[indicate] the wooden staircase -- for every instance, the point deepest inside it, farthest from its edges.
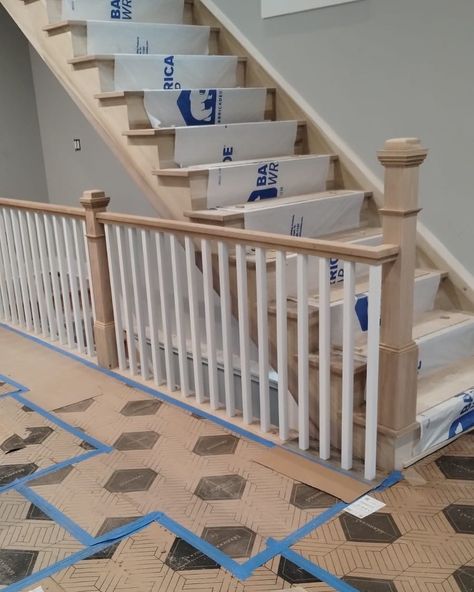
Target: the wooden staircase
(111, 91)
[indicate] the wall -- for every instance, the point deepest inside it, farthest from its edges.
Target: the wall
(377, 69)
(22, 173)
(69, 173)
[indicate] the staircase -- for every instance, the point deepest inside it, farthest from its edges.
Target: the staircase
(240, 152)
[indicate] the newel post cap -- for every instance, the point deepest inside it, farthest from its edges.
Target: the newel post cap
(402, 153)
(94, 199)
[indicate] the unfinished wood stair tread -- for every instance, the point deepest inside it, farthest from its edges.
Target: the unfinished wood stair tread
(91, 60)
(63, 26)
(444, 384)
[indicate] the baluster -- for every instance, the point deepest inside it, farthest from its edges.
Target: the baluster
(39, 219)
(211, 344)
(324, 361)
(262, 328)
(194, 319)
(112, 258)
(33, 236)
(63, 277)
(21, 269)
(303, 352)
(83, 292)
(178, 290)
(224, 286)
(348, 367)
(53, 266)
(124, 266)
(137, 303)
(282, 344)
(166, 309)
(27, 251)
(244, 338)
(72, 273)
(14, 267)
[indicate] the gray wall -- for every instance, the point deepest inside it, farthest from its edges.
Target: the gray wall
(376, 69)
(69, 173)
(22, 173)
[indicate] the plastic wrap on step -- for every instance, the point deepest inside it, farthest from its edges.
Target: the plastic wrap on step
(159, 11)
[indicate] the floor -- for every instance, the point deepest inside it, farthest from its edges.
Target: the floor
(104, 487)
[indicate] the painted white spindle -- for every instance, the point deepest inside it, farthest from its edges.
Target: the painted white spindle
(33, 237)
(150, 270)
(372, 390)
(178, 291)
(64, 280)
(226, 320)
(303, 351)
(138, 304)
(194, 318)
(124, 266)
(82, 271)
(85, 247)
(209, 313)
(348, 332)
(324, 359)
(8, 282)
(262, 330)
(29, 270)
(54, 270)
(43, 254)
(244, 337)
(26, 304)
(282, 344)
(164, 280)
(14, 266)
(112, 256)
(72, 272)
(3, 309)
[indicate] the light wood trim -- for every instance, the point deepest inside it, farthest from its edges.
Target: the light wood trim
(363, 254)
(91, 60)
(44, 208)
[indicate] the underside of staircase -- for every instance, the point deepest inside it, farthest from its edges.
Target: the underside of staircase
(211, 137)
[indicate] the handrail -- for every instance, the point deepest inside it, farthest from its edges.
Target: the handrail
(314, 247)
(43, 208)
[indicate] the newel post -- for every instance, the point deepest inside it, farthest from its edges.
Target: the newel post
(398, 351)
(95, 202)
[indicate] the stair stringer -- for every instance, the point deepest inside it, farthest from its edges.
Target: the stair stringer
(350, 171)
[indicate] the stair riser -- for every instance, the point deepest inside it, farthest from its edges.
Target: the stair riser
(140, 38)
(157, 11)
(445, 348)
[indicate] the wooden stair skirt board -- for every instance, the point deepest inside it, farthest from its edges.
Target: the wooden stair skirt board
(114, 37)
(151, 11)
(182, 107)
(227, 184)
(219, 142)
(167, 72)
(311, 216)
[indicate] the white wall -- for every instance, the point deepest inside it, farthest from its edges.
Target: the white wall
(69, 173)
(377, 69)
(22, 173)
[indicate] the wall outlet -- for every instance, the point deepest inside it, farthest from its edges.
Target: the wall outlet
(77, 145)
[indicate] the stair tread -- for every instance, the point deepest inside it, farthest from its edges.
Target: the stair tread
(199, 168)
(444, 384)
(118, 94)
(78, 23)
(110, 57)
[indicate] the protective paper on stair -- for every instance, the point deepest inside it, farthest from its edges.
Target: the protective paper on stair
(230, 185)
(446, 420)
(238, 141)
(146, 38)
(309, 218)
(205, 106)
(168, 72)
(151, 11)
(444, 348)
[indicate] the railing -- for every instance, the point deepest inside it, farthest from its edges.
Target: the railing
(187, 306)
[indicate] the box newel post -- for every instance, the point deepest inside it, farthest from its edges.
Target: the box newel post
(398, 351)
(95, 202)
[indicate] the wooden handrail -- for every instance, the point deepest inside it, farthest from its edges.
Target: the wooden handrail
(43, 208)
(308, 246)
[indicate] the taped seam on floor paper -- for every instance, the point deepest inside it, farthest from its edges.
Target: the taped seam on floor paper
(146, 38)
(168, 108)
(163, 11)
(19, 387)
(236, 141)
(254, 181)
(168, 72)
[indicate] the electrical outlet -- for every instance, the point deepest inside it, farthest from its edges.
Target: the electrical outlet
(77, 145)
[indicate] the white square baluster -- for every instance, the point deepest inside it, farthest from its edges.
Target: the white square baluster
(26, 304)
(282, 344)
(43, 253)
(324, 358)
(167, 311)
(29, 271)
(33, 236)
(72, 273)
(53, 266)
(8, 280)
(244, 338)
(226, 318)
(84, 294)
(14, 266)
(112, 256)
(303, 352)
(262, 328)
(137, 303)
(348, 367)
(211, 344)
(63, 277)
(124, 266)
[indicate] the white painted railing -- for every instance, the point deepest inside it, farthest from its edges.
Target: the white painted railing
(190, 310)
(45, 285)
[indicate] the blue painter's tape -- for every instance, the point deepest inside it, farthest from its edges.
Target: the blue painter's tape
(318, 572)
(128, 529)
(72, 528)
(47, 572)
(20, 388)
(390, 481)
(154, 393)
(52, 469)
(62, 424)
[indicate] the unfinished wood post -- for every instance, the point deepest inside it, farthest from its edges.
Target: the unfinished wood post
(398, 351)
(104, 326)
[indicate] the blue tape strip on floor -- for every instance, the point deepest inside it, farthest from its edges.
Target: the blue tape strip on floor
(72, 528)
(152, 392)
(20, 388)
(62, 424)
(318, 572)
